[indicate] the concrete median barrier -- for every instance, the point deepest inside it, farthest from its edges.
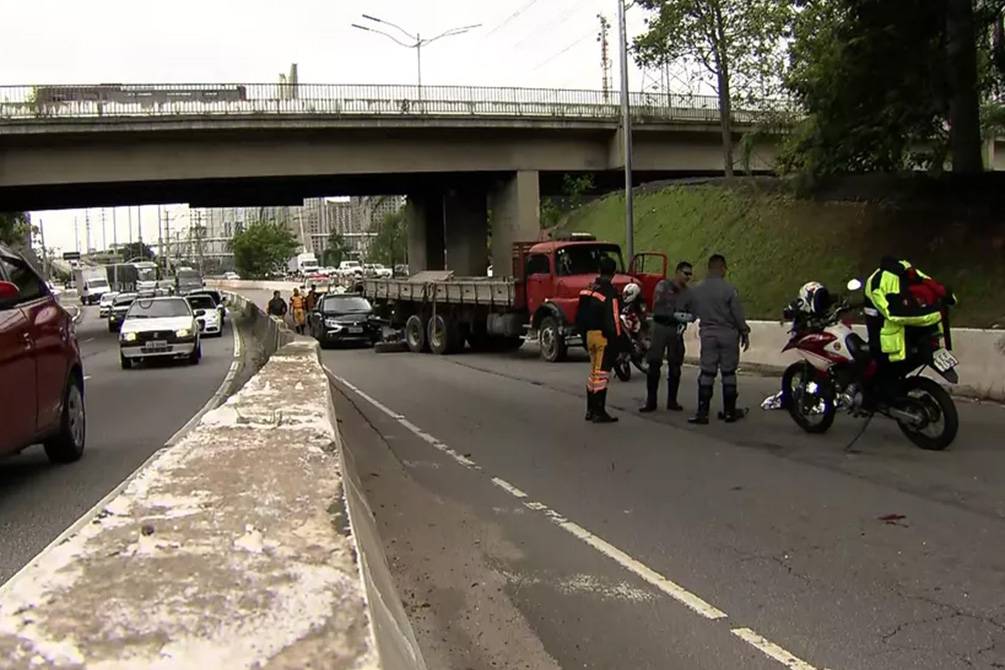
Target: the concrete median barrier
(233, 548)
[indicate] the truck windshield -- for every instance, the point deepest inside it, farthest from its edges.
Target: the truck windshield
(585, 259)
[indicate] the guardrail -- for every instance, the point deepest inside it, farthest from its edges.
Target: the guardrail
(158, 100)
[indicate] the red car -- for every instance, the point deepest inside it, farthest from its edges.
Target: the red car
(41, 376)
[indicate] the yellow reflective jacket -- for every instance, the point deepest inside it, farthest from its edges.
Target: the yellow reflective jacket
(890, 302)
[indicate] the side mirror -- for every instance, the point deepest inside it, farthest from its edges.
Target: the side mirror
(8, 291)
(200, 312)
(854, 284)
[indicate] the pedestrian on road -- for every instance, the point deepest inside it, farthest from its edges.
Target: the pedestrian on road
(671, 314)
(722, 331)
(599, 324)
(312, 298)
(277, 306)
(298, 309)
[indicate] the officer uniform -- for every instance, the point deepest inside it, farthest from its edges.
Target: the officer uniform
(717, 304)
(598, 322)
(671, 313)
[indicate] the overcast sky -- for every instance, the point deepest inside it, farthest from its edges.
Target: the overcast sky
(548, 43)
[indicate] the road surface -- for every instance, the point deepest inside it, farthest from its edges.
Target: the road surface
(521, 536)
(130, 415)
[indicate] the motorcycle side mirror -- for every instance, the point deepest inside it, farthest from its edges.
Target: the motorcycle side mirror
(854, 284)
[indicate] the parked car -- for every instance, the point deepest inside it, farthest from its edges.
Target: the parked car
(342, 318)
(401, 270)
(120, 306)
(41, 375)
(206, 314)
(105, 304)
(231, 276)
(218, 299)
(163, 327)
(377, 271)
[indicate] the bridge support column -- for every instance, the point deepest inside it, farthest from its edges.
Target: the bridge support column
(424, 215)
(516, 217)
(465, 218)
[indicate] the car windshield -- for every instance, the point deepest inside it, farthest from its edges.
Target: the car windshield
(345, 305)
(124, 299)
(154, 309)
(201, 302)
(211, 295)
(585, 259)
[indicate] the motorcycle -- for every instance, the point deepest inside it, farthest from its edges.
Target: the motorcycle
(837, 370)
(637, 333)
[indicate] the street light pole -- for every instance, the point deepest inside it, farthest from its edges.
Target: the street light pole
(415, 40)
(626, 129)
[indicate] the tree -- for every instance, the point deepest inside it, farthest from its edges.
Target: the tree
(337, 249)
(390, 246)
(14, 227)
(263, 248)
(574, 190)
(133, 250)
(738, 42)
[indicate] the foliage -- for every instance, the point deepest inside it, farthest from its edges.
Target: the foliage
(574, 190)
(137, 249)
(14, 226)
(390, 246)
(738, 42)
(263, 248)
(336, 251)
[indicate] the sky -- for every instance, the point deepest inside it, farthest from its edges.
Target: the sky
(538, 43)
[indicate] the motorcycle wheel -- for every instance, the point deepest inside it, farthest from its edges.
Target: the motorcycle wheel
(623, 369)
(941, 419)
(815, 412)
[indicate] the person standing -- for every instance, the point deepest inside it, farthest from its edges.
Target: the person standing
(312, 298)
(298, 310)
(722, 331)
(598, 322)
(276, 306)
(671, 314)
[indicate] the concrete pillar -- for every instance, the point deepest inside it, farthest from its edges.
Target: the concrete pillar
(424, 215)
(465, 217)
(516, 217)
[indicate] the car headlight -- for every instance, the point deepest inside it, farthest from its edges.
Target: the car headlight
(333, 323)
(183, 332)
(128, 337)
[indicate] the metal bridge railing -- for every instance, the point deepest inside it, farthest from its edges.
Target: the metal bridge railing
(159, 100)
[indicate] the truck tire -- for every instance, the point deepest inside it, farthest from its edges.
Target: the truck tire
(553, 347)
(415, 334)
(444, 335)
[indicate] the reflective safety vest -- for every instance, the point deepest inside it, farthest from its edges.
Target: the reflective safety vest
(892, 308)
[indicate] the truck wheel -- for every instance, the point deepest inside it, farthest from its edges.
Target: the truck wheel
(415, 334)
(444, 335)
(553, 347)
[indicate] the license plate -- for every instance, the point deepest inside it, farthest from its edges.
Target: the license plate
(943, 360)
(155, 345)
(355, 330)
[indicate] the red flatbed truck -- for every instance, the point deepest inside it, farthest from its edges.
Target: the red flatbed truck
(440, 312)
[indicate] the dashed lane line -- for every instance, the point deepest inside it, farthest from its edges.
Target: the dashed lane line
(661, 582)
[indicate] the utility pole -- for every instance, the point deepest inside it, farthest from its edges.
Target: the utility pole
(87, 229)
(104, 232)
(45, 253)
(115, 229)
(139, 225)
(76, 235)
(129, 211)
(160, 234)
(626, 129)
(605, 56)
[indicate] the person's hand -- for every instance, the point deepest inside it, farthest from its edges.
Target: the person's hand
(745, 341)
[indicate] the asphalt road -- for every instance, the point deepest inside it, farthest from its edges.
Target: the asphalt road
(522, 536)
(130, 415)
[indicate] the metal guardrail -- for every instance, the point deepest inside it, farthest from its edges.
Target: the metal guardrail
(42, 102)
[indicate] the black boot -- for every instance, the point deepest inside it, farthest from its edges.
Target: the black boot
(652, 390)
(704, 401)
(600, 414)
(591, 402)
(673, 385)
(729, 412)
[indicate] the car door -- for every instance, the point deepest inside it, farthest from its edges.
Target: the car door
(50, 332)
(18, 409)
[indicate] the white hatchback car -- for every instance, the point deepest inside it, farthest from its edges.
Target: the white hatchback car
(162, 327)
(208, 314)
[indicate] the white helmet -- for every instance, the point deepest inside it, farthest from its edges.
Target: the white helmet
(810, 297)
(631, 293)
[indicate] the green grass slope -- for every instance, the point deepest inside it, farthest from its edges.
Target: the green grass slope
(774, 243)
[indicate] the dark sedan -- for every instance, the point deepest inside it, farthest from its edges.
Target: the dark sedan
(117, 314)
(343, 318)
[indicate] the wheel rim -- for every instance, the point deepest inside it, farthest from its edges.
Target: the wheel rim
(75, 415)
(437, 334)
(548, 340)
(807, 401)
(934, 420)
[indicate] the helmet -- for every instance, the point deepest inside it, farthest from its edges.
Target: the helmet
(631, 293)
(814, 298)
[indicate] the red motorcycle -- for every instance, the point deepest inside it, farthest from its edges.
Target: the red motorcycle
(838, 373)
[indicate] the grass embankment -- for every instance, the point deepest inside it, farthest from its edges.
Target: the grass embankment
(775, 242)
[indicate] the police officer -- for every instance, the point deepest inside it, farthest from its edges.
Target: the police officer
(599, 324)
(671, 314)
(722, 331)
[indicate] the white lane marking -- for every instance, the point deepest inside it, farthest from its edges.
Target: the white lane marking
(667, 586)
(771, 649)
(506, 486)
(90, 339)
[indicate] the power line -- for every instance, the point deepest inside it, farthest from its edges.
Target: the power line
(562, 52)
(512, 16)
(562, 16)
